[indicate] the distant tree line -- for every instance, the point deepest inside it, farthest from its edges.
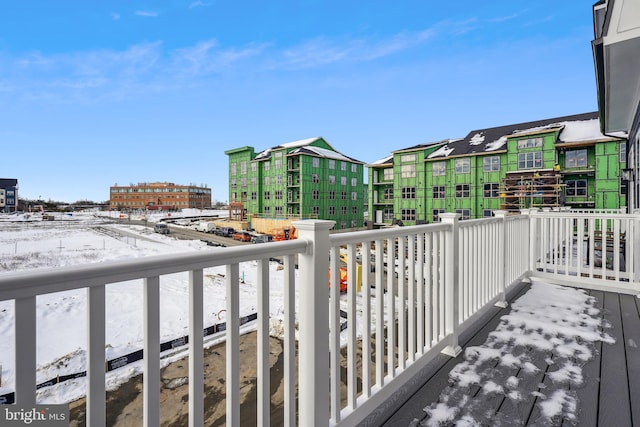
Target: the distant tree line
(50, 205)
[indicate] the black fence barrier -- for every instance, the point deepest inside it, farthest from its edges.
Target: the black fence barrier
(126, 359)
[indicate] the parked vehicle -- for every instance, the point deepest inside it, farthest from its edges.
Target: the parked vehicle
(261, 238)
(242, 236)
(161, 228)
(206, 227)
(225, 231)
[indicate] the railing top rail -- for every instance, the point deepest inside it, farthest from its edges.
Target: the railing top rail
(47, 280)
(338, 239)
(600, 215)
(476, 222)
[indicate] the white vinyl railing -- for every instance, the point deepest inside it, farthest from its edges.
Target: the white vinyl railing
(410, 291)
(590, 249)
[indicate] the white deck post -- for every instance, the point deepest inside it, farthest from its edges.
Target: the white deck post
(502, 258)
(314, 323)
(451, 280)
(533, 238)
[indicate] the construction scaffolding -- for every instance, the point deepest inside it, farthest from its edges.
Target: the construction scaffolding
(541, 188)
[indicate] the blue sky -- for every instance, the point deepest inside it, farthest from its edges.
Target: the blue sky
(94, 93)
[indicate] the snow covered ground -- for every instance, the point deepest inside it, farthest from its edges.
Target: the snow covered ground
(27, 242)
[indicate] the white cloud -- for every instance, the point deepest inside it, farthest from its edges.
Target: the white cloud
(146, 13)
(199, 4)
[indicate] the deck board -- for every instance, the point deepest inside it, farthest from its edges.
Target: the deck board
(609, 395)
(614, 408)
(429, 393)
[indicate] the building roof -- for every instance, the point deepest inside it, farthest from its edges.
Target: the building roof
(323, 152)
(581, 127)
(382, 162)
(304, 146)
(8, 182)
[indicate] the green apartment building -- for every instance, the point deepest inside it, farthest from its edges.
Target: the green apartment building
(299, 179)
(564, 161)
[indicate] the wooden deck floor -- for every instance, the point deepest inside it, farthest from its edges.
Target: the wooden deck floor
(610, 395)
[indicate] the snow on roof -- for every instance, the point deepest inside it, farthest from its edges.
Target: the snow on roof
(443, 151)
(293, 144)
(382, 161)
(584, 130)
(477, 139)
(300, 143)
(496, 145)
(322, 152)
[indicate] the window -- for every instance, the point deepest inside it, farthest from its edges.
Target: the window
(354, 210)
(408, 192)
(267, 210)
(408, 171)
(332, 210)
(408, 214)
(575, 159)
(279, 179)
(388, 174)
(316, 162)
(267, 195)
(254, 180)
(343, 166)
(243, 182)
(315, 178)
(435, 214)
(343, 180)
(387, 214)
(354, 195)
(243, 167)
(279, 210)
(254, 195)
(405, 158)
(233, 169)
(530, 143)
(487, 212)
(332, 164)
(343, 210)
(490, 190)
(267, 166)
(577, 187)
(332, 195)
(315, 195)
(332, 179)
(278, 195)
(530, 160)
(315, 210)
(463, 165)
(491, 164)
(278, 160)
(343, 195)
(462, 190)
(439, 168)
(388, 194)
(233, 183)
(267, 180)
(254, 167)
(464, 213)
(439, 192)
(354, 168)
(354, 182)
(623, 152)
(354, 223)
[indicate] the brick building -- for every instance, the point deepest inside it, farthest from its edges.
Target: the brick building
(159, 195)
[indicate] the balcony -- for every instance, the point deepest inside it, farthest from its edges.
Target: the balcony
(448, 275)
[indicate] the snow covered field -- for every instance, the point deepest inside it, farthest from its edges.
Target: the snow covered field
(84, 238)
